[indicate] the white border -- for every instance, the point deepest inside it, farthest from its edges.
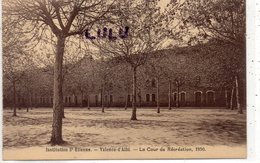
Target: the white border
(1, 86)
(253, 92)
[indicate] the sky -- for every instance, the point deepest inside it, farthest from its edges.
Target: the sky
(44, 52)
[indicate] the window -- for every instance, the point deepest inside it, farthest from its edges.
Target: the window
(153, 83)
(198, 98)
(182, 97)
(110, 86)
(129, 98)
(182, 59)
(105, 98)
(66, 99)
(111, 98)
(69, 99)
(197, 79)
(147, 82)
(153, 97)
(147, 97)
(175, 96)
(96, 99)
(76, 100)
(210, 98)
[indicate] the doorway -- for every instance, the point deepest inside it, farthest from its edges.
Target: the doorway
(198, 100)
(210, 98)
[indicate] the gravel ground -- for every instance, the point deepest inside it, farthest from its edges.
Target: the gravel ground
(92, 128)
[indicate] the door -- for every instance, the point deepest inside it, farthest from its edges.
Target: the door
(174, 98)
(182, 99)
(198, 99)
(210, 98)
(96, 99)
(76, 100)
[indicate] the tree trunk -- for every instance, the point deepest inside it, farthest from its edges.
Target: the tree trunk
(133, 117)
(63, 111)
(231, 97)
(14, 99)
(170, 95)
(82, 99)
(32, 100)
(226, 99)
(31, 96)
(204, 94)
(178, 98)
(28, 100)
(88, 103)
(126, 101)
(58, 109)
(108, 100)
(239, 108)
(139, 98)
(19, 102)
(157, 95)
(102, 99)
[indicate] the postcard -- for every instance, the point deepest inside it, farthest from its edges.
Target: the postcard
(131, 79)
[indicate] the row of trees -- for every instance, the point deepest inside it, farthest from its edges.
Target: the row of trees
(179, 68)
(152, 28)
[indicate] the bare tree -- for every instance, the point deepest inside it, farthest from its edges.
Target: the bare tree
(79, 77)
(15, 57)
(124, 81)
(155, 69)
(103, 79)
(146, 23)
(226, 64)
(221, 20)
(176, 72)
(63, 19)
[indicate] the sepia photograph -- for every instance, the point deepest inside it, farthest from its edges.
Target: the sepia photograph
(124, 79)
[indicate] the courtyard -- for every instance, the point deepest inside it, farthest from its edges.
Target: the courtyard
(92, 128)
